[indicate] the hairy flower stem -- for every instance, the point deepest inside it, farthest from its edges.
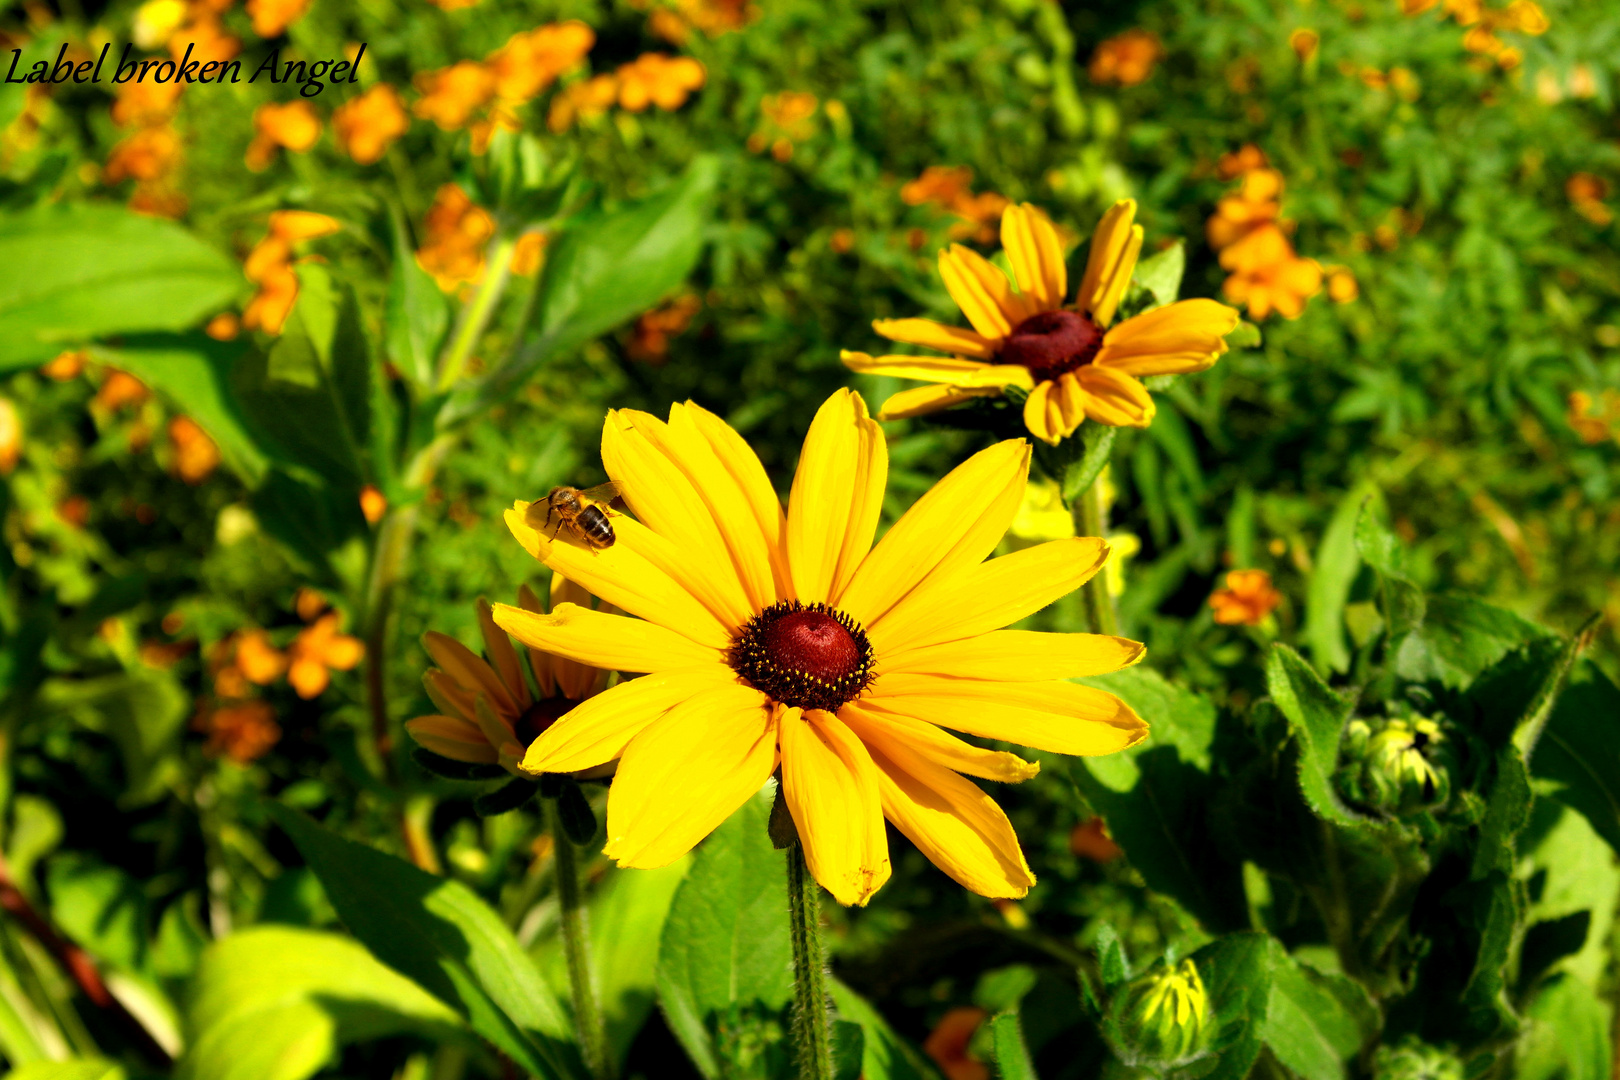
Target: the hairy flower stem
(811, 1036)
(587, 1018)
(1092, 515)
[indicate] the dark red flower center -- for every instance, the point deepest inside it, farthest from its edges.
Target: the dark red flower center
(809, 656)
(1052, 343)
(540, 716)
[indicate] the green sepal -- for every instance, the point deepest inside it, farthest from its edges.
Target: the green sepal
(505, 799)
(451, 769)
(575, 813)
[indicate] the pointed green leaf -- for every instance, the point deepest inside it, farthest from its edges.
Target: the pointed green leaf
(1402, 601)
(1236, 972)
(1568, 1036)
(1012, 1056)
(1317, 717)
(418, 313)
(1160, 274)
(1097, 441)
(885, 1055)
(1460, 637)
(848, 1050)
(1579, 750)
(1315, 1022)
(75, 1069)
(1334, 571)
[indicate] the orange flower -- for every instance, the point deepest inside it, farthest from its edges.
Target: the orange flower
(1282, 287)
(270, 306)
(1247, 600)
(260, 662)
(1342, 286)
(242, 732)
(66, 366)
(195, 454)
(294, 125)
(713, 17)
(316, 650)
(1127, 59)
(457, 231)
(1256, 203)
(373, 504)
(74, 510)
(367, 125)
(530, 62)
(657, 79)
(947, 1044)
(272, 17)
(451, 95)
(121, 390)
(269, 266)
(1304, 43)
(582, 101)
(527, 255)
(205, 36)
(1091, 840)
(150, 154)
(11, 436)
(223, 327)
(1595, 427)
(453, 5)
(649, 342)
(1242, 160)
(146, 104)
(1586, 193)
(308, 603)
(951, 188)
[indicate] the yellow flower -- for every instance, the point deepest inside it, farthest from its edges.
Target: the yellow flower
(1072, 364)
(272, 17)
(457, 232)
(499, 733)
(11, 436)
(772, 639)
(1127, 59)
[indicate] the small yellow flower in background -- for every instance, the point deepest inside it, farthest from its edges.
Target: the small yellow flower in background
(457, 231)
(675, 21)
(145, 104)
(658, 79)
(11, 436)
(790, 640)
(1304, 43)
(367, 125)
(951, 188)
(586, 100)
(272, 17)
(948, 1043)
(269, 266)
(373, 504)
(156, 21)
(1074, 366)
(151, 154)
(66, 365)
(258, 661)
(1248, 598)
(1594, 427)
(1342, 286)
(195, 454)
(294, 126)
(1122, 548)
(1586, 193)
(530, 62)
(451, 95)
(316, 651)
(529, 253)
(1126, 59)
(649, 341)
(223, 327)
(514, 718)
(1041, 515)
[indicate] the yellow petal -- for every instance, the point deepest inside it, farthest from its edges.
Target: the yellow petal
(989, 596)
(1036, 255)
(670, 504)
(932, 335)
(624, 577)
(831, 787)
(837, 497)
(1114, 398)
(542, 663)
(687, 772)
(574, 680)
(881, 727)
(930, 399)
(1114, 245)
(458, 662)
(447, 695)
(1062, 717)
(953, 822)
(739, 459)
(1178, 338)
(1019, 656)
(1039, 417)
(498, 731)
(936, 369)
(1068, 402)
(957, 523)
(504, 658)
(982, 292)
(451, 737)
(598, 730)
(608, 642)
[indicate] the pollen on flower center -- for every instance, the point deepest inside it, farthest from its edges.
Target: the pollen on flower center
(809, 656)
(538, 717)
(1052, 343)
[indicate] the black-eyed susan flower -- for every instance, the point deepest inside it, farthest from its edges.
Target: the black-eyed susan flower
(787, 640)
(1072, 364)
(513, 715)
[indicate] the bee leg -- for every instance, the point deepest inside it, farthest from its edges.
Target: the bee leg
(550, 511)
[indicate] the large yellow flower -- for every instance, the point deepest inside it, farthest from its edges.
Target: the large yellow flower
(1072, 364)
(772, 639)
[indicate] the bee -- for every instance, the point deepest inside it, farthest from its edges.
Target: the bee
(583, 512)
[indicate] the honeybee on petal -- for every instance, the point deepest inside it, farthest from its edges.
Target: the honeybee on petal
(584, 513)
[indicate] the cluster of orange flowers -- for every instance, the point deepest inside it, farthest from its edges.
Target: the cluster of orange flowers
(270, 266)
(485, 95)
(1484, 24)
(1248, 598)
(367, 125)
(1126, 59)
(272, 17)
(179, 25)
(675, 20)
(1248, 230)
(787, 121)
(952, 188)
(151, 155)
(1586, 193)
(649, 79)
(458, 231)
(1595, 426)
(649, 341)
(294, 126)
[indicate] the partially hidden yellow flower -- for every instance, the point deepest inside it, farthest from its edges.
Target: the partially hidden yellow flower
(11, 436)
(1073, 365)
(487, 714)
(788, 640)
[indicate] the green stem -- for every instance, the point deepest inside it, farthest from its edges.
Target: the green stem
(811, 1035)
(475, 316)
(592, 1037)
(1093, 521)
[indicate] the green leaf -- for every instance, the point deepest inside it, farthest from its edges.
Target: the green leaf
(1579, 751)
(418, 313)
(318, 524)
(1236, 972)
(1012, 1056)
(441, 935)
(276, 1003)
(627, 917)
(1317, 716)
(75, 1069)
(193, 372)
(884, 1055)
(1246, 336)
(1507, 811)
(1402, 601)
(848, 1050)
(94, 270)
(607, 267)
(1331, 577)
(1568, 1037)
(1081, 472)
(1460, 637)
(726, 942)
(1577, 875)
(1160, 274)
(1316, 1023)
(100, 907)
(142, 711)
(1513, 698)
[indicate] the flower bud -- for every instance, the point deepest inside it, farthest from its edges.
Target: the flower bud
(1414, 1060)
(1161, 1018)
(1397, 766)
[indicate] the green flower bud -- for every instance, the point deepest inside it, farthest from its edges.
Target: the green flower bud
(1398, 766)
(1414, 1060)
(1161, 1018)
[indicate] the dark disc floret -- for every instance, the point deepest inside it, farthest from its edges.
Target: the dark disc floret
(810, 656)
(539, 716)
(1052, 343)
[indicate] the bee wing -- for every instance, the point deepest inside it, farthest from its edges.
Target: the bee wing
(601, 493)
